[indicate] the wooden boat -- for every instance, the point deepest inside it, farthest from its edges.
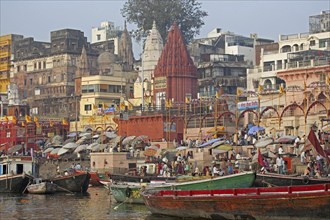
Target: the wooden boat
(39, 187)
(74, 182)
(13, 173)
(130, 192)
(272, 179)
(10, 183)
(94, 179)
(137, 179)
(290, 202)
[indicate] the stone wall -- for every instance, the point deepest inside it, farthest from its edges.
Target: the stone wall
(47, 168)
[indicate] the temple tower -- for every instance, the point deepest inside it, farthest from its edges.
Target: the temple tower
(175, 73)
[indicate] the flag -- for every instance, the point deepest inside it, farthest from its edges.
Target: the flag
(37, 124)
(305, 85)
(239, 91)
(27, 118)
(130, 106)
(14, 120)
(35, 119)
(117, 108)
(169, 103)
(316, 144)
(23, 123)
(260, 159)
(187, 100)
(6, 119)
(122, 106)
(328, 80)
(260, 88)
(65, 122)
(217, 95)
(282, 91)
(105, 117)
(94, 107)
(104, 106)
(51, 123)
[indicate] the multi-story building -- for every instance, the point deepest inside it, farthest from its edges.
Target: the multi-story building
(222, 59)
(45, 72)
(107, 32)
(6, 50)
(297, 64)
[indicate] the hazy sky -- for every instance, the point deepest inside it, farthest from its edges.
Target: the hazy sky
(266, 18)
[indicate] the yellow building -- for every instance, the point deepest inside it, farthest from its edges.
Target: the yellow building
(6, 50)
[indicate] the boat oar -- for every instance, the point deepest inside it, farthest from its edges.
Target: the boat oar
(116, 207)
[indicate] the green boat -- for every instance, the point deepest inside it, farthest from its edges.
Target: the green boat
(130, 192)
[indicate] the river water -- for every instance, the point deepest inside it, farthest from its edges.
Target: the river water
(96, 204)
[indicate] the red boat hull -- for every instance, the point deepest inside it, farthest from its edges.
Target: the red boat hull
(297, 202)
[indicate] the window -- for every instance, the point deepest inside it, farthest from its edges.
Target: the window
(323, 42)
(31, 81)
(18, 68)
(312, 43)
(88, 107)
(39, 65)
(98, 37)
(35, 66)
(49, 81)
(44, 64)
(25, 67)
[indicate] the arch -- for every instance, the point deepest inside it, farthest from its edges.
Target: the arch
(286, 48)
(189, 118)
(295, 47)
(312, 105)
(293, 105)
(225, 113)
(267, 109)
(268, 84)
(247, 110)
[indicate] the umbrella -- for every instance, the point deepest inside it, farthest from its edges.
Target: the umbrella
(110, 134)
(181, 148)
(224, 147)
(96, 136)
(72, 134)
(141, 138)
(217, 143)
(70, 145)
(80, 148)
(87, 135)
(288, 139)
(149, 152)
(263, 142)
(128, 139)
(155, 147)
(62, 151)
(102, 146)
(48, 150)
(81, 140)
(55, 151)
(96, 147)
(15, 148)
(90, 147)
(255, 129)
(115, 140)
(210, 142)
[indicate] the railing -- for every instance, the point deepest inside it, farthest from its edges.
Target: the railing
(286, 190)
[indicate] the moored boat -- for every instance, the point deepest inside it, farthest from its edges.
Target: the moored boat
(39, 187)
(10, 183)
(130, 192)
(145, 179)
(74, 182)
(273, 179)
(13, 173)
(291, 202)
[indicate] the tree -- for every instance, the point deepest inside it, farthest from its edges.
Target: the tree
(186, 13)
